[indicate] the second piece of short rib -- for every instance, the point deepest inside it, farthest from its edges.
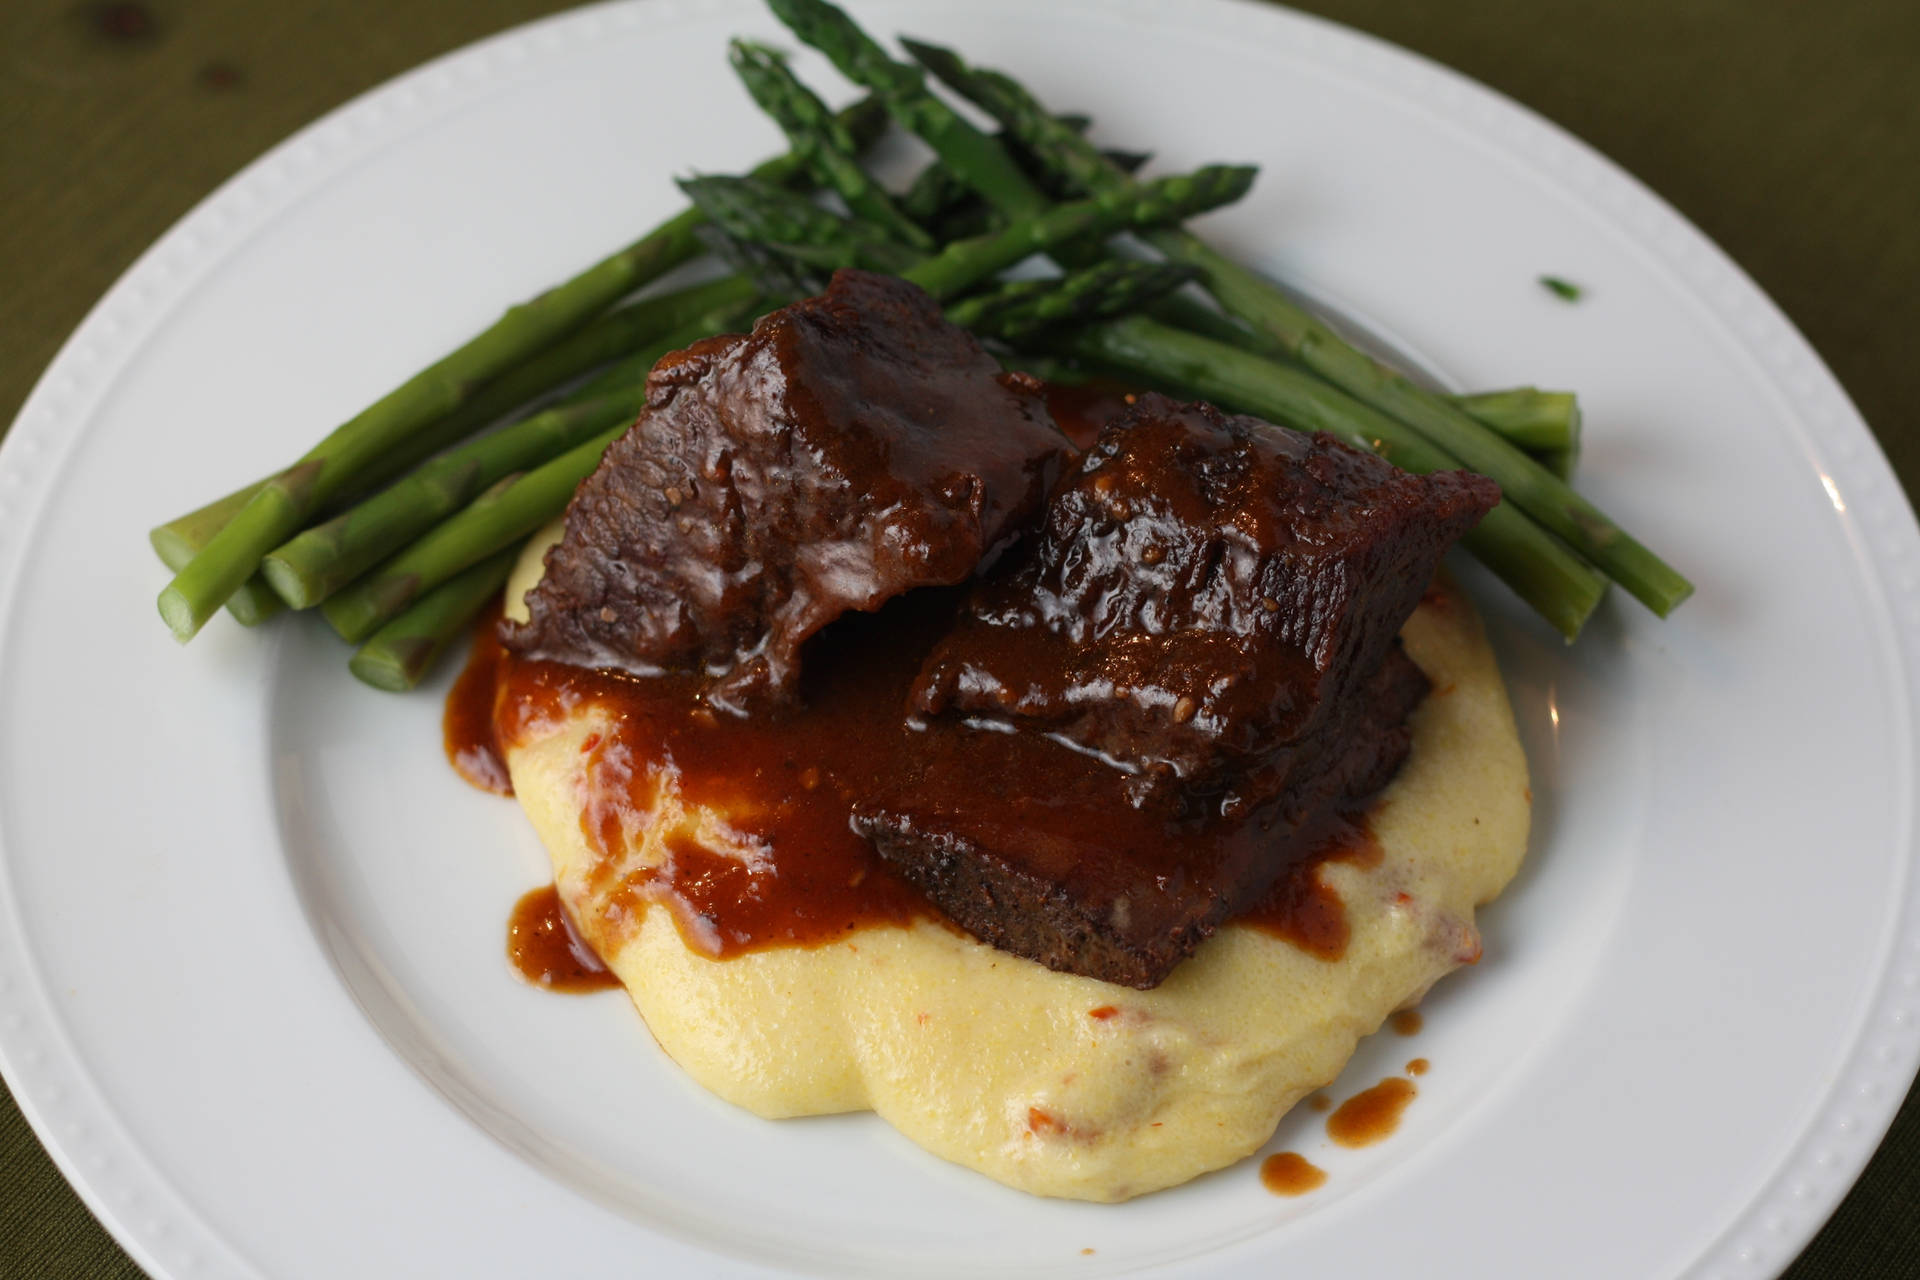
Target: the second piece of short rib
(1211, 607)
(852, 447)
(1204, 592)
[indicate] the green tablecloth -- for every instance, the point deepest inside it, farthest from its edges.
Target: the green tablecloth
(1789, 132)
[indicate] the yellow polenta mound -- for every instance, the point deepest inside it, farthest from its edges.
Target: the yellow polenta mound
(1000, 1065)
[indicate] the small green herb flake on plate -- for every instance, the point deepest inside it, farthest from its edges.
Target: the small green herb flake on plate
(1565, 290)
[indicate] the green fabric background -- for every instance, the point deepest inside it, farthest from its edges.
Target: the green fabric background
(1788, 131)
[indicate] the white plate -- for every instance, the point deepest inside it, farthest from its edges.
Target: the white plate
(252, 992)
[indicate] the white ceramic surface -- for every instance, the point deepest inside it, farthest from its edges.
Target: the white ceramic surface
(252, 991)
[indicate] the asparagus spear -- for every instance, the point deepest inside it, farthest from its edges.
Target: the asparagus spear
(404, 650)
(285, 500)
(505, 513)
(636, 326)
(938, 194)
(178, 540)
(812, 131)
(1316, 345)
(323, 559)
(935, 192)
(1559, 585)
(767, 215)
(1546, 424)
(1020, 311)
(901, 88)
(763, 214)
(974, 156)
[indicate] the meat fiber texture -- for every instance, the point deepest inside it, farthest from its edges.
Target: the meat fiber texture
(1206, 593)
(852, 447)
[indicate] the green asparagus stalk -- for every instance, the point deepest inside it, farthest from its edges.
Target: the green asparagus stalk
(934, 193)
(180, 539)
(498, 518)
(974, 156)
(631, 371)
(321, 560)
(1078, 166)
(967, 262)
(635, 326)
(401, 653)
(1561, 586)
(1307, 339)
(761, 214)
(176, 541)
(902, 88)
(287, 499)
(1020, 311)
(812, 131)
(938, 196)
(1546, 424)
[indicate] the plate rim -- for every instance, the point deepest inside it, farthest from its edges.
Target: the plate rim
(78, 1126)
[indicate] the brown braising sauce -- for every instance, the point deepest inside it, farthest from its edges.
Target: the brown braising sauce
(466, 726)
(1288, 1173)
(787, 782)
(1372, 1114)
(1081, 410)
(1304, 910)
(547, 952)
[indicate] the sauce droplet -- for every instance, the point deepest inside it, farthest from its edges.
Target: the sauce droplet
(546, 951)
(1320, 1102)
(1288, 1173)
(1408, 1022)
(1418, 1067)
(1372, 1114)
(467, 724)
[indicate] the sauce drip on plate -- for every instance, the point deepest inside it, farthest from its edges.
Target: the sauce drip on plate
(1287, 1173)
(1372, 1114)
(545, 949)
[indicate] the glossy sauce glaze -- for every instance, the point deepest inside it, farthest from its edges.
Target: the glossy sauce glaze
(1371, 1115)
(1080, 410)
(545, 949)
(788, 781)
(466, 725)
(1288, 1173)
